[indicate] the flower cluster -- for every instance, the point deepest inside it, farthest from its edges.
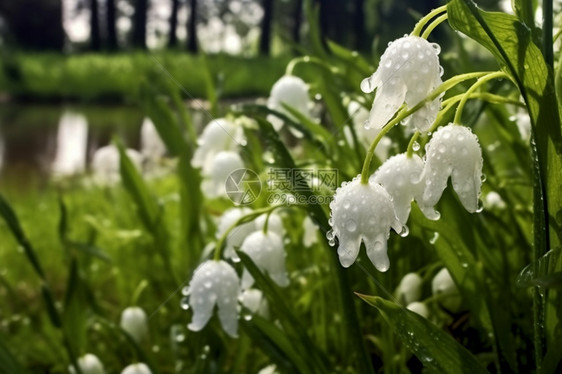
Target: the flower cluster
(290, 91)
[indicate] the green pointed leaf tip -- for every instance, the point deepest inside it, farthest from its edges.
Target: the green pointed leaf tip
(436, 349)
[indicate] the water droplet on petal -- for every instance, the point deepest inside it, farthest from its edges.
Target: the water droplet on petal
(434, 238)
(185, 291)
(367, 85)
(436, 47)
(404, 232)
(248, 317)
(483, 178)
(351, 225)
(416, 146)
(184, 303)
(480, 206)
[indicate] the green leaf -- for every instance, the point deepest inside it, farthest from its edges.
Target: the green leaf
(436, 349)
(11, 219)
(8, 363)
(74, 316)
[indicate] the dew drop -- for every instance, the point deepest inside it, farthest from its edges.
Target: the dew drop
(208, 284)
(436, 47)
(331, 243)
(367, 85)
(185, 291)
(248, 317)
(318, 97)
(351, 225)
(464, 265)
(483, 178)
(346, 204)
(441, 71)
(480, 206)
(434, 238)
(404, 232)
(416, 146)
(180, 338)
(184, 303)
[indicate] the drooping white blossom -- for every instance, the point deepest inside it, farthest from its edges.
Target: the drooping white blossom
(214, 283)
(217, 172)
(219, 135)
(135, 322)
(365, 136)
(291, 91)
(419, 308)
(362, 212)
(89, 364)
(106, 164)
(408, 71)
(72, 144)
(311, 230)
(402, 177)
(453, 151)
(444, 285)
(254, 301)
(138, 368)
(274, 223)
(152, 146)
(270, 369)
(236, 235)
(494, 200)
(268, 253)
(409, 288)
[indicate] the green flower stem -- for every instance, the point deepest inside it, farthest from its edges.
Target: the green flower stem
(448, 84)
(247, 218)
(308, 60)
(466, 96)
(410, 151)
(547, 47)
(433, 25)
(422, 22)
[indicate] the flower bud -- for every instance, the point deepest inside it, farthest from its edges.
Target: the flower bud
(419, 308)
(217, 172)
(291, 91)
(89, 364)
(219, 135)
(268, 253)
(134, 322)
(139, 368)
(409, 289)
(443, 284)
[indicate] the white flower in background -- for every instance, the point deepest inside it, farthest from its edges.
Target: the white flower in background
(134, 322)
(152, 146)
(219, 135)
(444, 285)
(409, 288)
(254, 301)
(494, 201)
(139, 368)
(419, 308)
(274, 224)
(453, 151)
(408, 71)
(291, 91)
(106, 164)
(362, 212)
(72, 144)
(270, 369)
(523, 122)
(402, 178)
(310, 235)
(214, 283)
(89, 364)
(217, 172)
(236, 235)
(268, 253)
(365, 136)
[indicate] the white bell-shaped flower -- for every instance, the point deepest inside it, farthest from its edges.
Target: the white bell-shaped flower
(274, 223)
(138, 368)
(362, 212)
(365, 135)
(89, 364)
(270, 369)
(494, 200)
(409, 288)
(311, 230)
(408, 71)
(238, 234)
(214, 283)
(152, 146)
(219, 135)
(444, 285)
(105, 164)
(419, 308)
(254, 301)
(268, 253)
(291, 91)
(401, 176)
(453, 151)
(217, 172)
(134, 322)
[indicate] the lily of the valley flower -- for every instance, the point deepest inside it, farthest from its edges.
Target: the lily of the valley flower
(291, 91)
(401, 176)
(362, 212)
(408, 71)
(409, 288)
(138, 368)
(444, 285)
(453, 151)
(89, 364)
(217, 172)
(365, 135)
(134, 322)
(218, 136)
(419, 308)
(268, 253)
(105, 164)
(152, 146)
(214, 283)
(255, 302)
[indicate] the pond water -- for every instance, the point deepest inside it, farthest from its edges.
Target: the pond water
(37, 141)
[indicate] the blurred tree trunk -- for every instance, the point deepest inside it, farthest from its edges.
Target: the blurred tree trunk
(192, 27)
(265, 38)
(360, 33)
(297, 22)
(111, 25)
(34, 24)
(139, 24)
(173, 41)
(95, 39)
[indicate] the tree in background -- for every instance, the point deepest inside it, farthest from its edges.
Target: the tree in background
(95, 37)
(111, 24)
(173, 38)
(265, 39)
(139, 24)
(192, 27)
(34, 24)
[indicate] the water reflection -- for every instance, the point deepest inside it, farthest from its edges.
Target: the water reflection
(72, 145)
